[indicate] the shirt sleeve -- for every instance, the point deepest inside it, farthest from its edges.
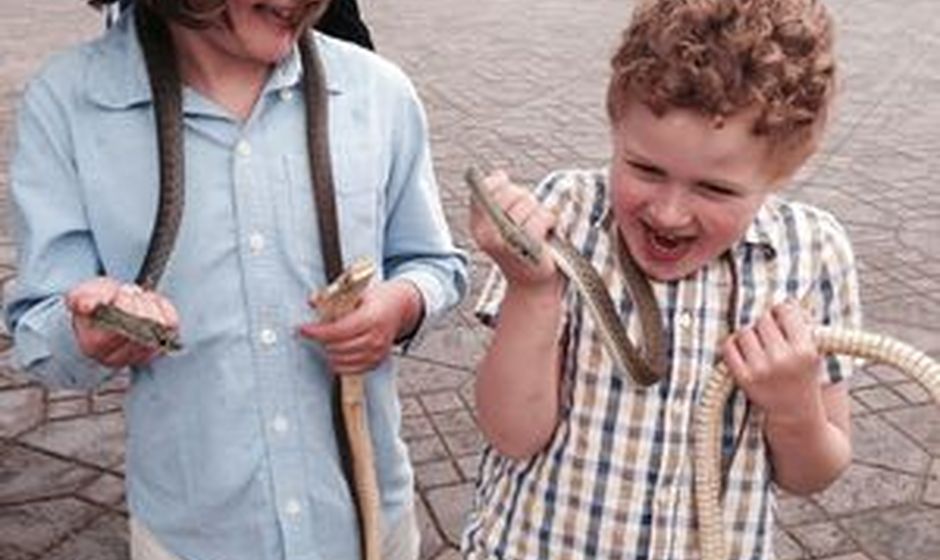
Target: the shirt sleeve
(836, 292)
(55, 247)
(418, 245)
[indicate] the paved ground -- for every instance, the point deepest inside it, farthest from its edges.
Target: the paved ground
(520, 84)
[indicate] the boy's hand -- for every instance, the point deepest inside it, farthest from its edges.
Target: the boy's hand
(360, 340)
(106, 347)
(776, 362)
(524, 210)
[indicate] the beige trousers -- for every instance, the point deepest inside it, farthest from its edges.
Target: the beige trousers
(401, 543)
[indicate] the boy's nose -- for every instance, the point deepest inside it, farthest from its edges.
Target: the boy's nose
(670, 209)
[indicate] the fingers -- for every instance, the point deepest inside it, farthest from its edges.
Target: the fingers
(779, 344)
(84, 298)
(360, 340)
(519, 204)
(145, 303)
(794, 324)
(353, 347)
(110, 348)
(128, 354)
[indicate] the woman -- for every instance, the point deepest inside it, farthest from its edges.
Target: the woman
(231, 449)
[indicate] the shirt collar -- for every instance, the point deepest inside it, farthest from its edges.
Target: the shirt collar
(760, 234)
(118, 78)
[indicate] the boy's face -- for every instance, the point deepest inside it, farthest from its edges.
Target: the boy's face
(262, 31)
(683, 191)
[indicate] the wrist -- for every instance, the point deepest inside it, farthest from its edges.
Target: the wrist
(798, 416)
(410, 307)
(542, 294)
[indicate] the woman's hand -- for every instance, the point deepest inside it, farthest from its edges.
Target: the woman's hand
(360, 340)
(107, 347)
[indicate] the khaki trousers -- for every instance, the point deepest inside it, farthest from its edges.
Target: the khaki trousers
(401, 543)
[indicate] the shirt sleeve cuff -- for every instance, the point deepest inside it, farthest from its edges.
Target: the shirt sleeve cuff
(434, 303)
(46, 349)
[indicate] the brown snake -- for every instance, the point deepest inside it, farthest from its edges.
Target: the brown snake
(647, 367)
(338, 298)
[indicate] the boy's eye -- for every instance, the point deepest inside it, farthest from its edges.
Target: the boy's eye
(647, 169)
(717, 190)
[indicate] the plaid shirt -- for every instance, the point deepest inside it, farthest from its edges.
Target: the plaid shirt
(616, 479)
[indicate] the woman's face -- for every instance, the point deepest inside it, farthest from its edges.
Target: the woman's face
(261, 31)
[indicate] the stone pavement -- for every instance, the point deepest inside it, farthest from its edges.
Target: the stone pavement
(520, 84)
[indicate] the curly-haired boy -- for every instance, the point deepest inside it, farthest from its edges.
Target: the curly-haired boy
(713, 105)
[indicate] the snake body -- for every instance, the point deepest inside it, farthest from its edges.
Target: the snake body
(160, 59)
(710, 412)
(646, 367)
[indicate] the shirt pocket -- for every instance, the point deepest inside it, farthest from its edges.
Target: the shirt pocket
(358, 184)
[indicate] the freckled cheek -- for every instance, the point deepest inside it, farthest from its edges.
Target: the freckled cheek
(627, 198)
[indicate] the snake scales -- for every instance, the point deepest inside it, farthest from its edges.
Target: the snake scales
(646, 367)
(338, 298)
(710, 409)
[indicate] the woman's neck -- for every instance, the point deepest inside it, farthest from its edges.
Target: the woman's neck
(233, 82)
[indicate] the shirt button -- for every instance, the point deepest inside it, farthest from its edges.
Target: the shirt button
(268, 337)
(256, 243)
(292, 508)
(286, 94)
(243, 148)
(685, 320)
(676, 413)
(664, 499)
(279, 424)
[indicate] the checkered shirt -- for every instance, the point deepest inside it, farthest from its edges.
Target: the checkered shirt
(615, 480)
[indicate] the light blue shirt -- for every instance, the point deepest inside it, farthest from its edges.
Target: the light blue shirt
(231, 452)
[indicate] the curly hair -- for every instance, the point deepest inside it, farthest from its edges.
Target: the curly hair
(197, 14)
(723, 57)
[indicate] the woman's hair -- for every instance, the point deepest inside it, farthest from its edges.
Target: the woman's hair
(723, 57)
(191, 13)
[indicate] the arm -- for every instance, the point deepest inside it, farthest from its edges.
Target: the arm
(58, 286)
(518, 382)
(804, 395)
(811, 449)
(55, 247)
(776, 363)
(425, 275)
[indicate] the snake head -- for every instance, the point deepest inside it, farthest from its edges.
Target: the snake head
(343, 294)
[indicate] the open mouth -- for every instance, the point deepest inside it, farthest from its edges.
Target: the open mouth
(667, 246)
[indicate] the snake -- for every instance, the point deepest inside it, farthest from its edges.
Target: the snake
(709, 414)
(709, 411)
(338, 298)
(646, 365)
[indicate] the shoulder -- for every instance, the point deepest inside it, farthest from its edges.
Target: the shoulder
(799, 220)
(577, 196)
(63, 73)
(798, 228)
(352, 67)
(99, 69)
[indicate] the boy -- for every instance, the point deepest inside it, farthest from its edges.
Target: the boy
(231, 446)
(713, 105)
